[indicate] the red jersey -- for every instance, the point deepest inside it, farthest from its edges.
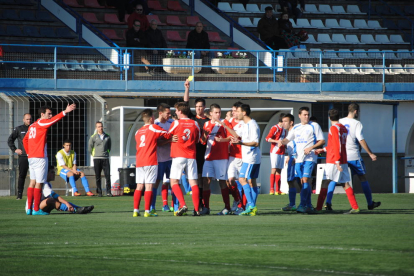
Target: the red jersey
(188, 133)
(216, 150)
(35, 140)
(146, 139)
(235, 149)
(277, 133)
(336, 149)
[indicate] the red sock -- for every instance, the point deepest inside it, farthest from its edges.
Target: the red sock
(206, 198)
(147, 198)
(241, 200)
(30, 197)
(235, 192)
(244, 201)
(321, 198)
(196, 197)
(137, 198)
(226, 198)
(272, 182)
(37, 198)
(351, 197)
(164, 194)
(179, 194)
(277, 181)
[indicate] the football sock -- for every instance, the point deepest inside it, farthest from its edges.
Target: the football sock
(85, 184)
(179, 194)
(367, 191)
(206, 198)
(292, 196)
(304, 194)
(37, 198)
(255, 194)
(137, 198)
(248, 194)
(30, 197)
(185, 183)
(331, 189)
(73, 183)
(239, 187)
(196, 197)
(200, 192)
(272, 182)
(153, 198)
(321, 198)
(226, 198)
(174, 201)
(236, 194)
(73, 205)
(309, 202)
(244, 201)
(164, 194)
(277, 182)
(147, 198)
(63, 207)
(351, 198)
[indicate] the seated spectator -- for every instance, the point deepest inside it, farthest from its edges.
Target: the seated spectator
(136, 38)
(287, 32)
(138, 15)
(155, 39)
(291, 7)
(268, 28)
(198, 39)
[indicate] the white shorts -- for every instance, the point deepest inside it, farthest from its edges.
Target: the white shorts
(146, 174)
(233, 170)
(332, 173)
(180, 164)
(38, 169)
(277, 161)
(216, 169)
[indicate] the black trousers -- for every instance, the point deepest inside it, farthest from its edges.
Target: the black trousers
(99, 165)
(23, 168)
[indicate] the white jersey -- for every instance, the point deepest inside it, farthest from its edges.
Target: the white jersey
(291, 149)
(164, 151)
(61, 161)
(355, 135)
(305, 136)
(251, 133)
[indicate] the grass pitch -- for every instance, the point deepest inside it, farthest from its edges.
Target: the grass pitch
(109, 241)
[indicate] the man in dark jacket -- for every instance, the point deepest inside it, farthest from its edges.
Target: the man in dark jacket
(135, 37)
(268, 29)
(19, 133)
(155, 39)
(291, 7)
(198, 39)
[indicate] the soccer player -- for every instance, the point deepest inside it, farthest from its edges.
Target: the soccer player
(163, 155)
(355, 161)
(217, 140)
(307, 137)
(67, 169)
(336, 163)
(51, 200)
(277, 155)
(146, 161)
(19, 133)
(35, 144)
(251, 157)
(186, 134)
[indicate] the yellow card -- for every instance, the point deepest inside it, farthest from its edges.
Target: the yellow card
(190, 78)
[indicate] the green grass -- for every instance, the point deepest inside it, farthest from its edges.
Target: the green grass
(109, 241)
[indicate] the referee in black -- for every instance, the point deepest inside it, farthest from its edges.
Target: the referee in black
(19, 133)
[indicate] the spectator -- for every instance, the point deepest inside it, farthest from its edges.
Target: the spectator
(155, 39)
(268, 29)
(135, 37)
(286, 31)
(132, 4)
(291, 7)
(198, 39)
(140, 16)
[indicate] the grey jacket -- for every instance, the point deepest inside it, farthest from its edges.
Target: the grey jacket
(99, 148)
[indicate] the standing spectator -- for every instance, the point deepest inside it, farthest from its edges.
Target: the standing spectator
(19, 133)
(140, 16)
(268, 29)
(198, 39)
(155, 39)
(135, 37)
(291, 7)
(99, 146)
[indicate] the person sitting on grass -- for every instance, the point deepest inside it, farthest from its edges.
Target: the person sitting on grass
(51, 200)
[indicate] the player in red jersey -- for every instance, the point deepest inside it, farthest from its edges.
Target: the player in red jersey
(146, 160)
(183, 152)
(336, 168)
(277, 155)
(35, 144)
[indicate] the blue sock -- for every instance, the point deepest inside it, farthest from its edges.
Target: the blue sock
(255, 194)
(73, 205)
(73, 183)
(248, 194)
(292, 196)
(63, 207)
(239, 187)
(154, 198)
(175, 202)
(185, 183)
(331, 189)
(85, 184)
(309, 201)
(304, 194)
(367, 192)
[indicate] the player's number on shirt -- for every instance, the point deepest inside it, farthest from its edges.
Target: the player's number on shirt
(343, 138)
(186, 135)
(32, 133)
(142, 144)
